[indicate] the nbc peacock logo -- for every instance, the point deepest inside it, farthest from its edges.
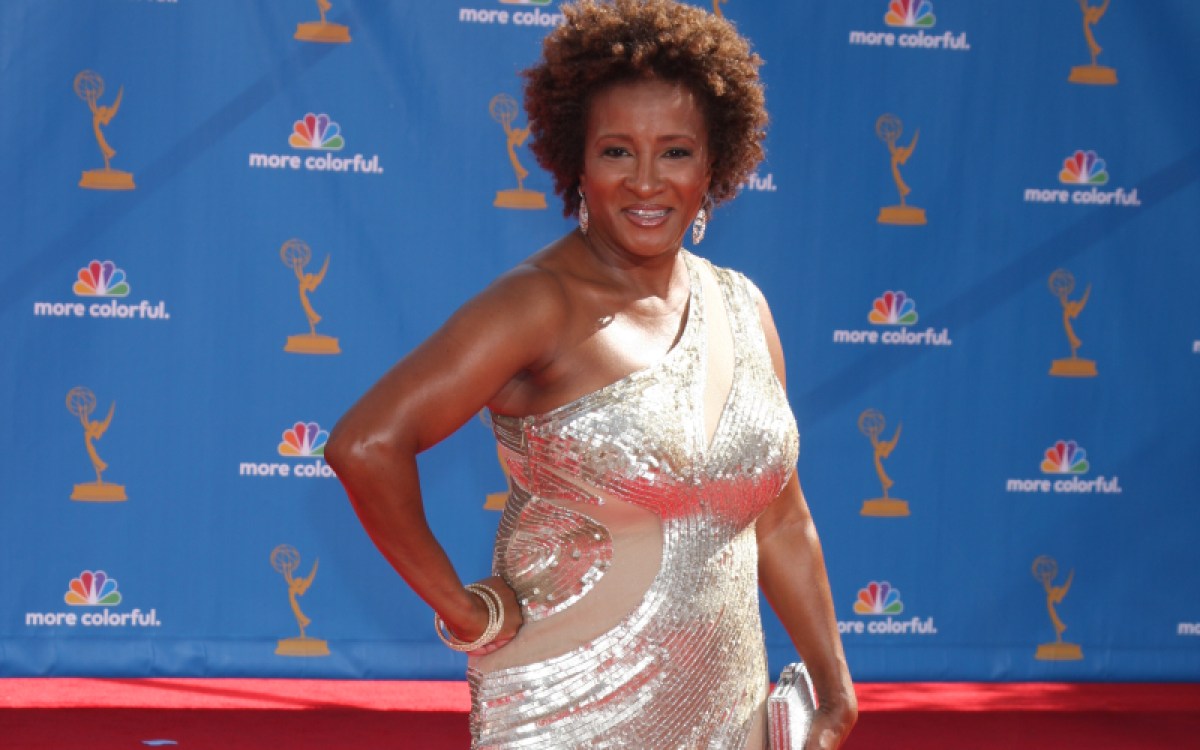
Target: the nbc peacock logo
(894, 311)
(1065, 457)
(907, 22)
(1083, 168)
(92, 595)
(878, 598)
(303, 440)
(880, 602)
(101, 279)
(912, 14)
(92, 589)
(104, 284)
(303, 443)
(1083, 172)
(317, 133)
(1068, 461)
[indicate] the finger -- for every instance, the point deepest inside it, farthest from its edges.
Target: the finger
(495, 645)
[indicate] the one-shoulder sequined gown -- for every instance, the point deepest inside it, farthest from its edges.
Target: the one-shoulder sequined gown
(629, 539)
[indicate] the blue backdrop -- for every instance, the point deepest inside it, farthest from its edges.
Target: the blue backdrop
(224, 220)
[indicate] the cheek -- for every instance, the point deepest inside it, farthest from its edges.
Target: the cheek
(694, 181)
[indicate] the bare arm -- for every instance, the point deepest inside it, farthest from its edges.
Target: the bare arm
(506, 330)
(791, 571)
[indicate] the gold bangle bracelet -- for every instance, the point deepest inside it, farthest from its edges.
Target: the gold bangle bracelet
(495, 607)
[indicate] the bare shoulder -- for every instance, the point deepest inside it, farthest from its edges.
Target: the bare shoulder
(527, 303)
(535, 286)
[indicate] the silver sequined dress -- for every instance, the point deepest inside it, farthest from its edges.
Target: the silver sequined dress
(628, 536)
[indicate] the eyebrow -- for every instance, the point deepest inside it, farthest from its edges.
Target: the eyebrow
(669, 137)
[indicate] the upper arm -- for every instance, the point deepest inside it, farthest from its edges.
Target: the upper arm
(510, 327)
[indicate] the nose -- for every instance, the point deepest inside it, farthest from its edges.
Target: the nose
(644, 179)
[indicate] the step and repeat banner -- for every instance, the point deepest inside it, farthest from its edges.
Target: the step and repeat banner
(224, 220)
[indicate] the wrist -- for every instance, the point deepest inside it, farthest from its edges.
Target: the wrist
(495, 620)
(468, 616)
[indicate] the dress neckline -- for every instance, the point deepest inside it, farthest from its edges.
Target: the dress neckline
(695, 315)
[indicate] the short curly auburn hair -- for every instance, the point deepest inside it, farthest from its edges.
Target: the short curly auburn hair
(605, 43)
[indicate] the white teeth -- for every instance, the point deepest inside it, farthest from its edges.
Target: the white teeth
(646, 214)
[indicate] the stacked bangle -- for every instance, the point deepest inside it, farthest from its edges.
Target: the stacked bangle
(495, 609)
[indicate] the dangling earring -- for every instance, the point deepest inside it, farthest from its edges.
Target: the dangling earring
(583, 212)
(699, 226)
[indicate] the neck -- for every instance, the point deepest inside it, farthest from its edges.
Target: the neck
(658, 276)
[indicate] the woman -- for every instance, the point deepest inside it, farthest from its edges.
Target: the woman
(636, 394)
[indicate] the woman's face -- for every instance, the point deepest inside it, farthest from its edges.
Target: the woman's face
(645, 166)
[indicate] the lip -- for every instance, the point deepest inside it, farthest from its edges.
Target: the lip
(647, 216)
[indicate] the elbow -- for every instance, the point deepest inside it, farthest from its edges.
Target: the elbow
(347, 451)
(339, 450)
(357, 451)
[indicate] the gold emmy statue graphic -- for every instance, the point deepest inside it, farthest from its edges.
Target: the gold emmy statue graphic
(285, 559)
(82, 402)
(717, 8)
(1062, 283)
(871, 424)
(1045, 569)
(889, 129)
(503, 109)
(1094, 74)
(323, 31)
(296, 255)
(89, 86)
(497, 500)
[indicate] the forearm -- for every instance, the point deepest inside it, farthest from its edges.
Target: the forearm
(793, 579)
(386, 495)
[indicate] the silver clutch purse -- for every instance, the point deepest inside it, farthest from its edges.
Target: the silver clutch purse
(790, 709)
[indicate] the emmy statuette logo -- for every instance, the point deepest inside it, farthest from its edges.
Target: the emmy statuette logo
(296, 255)
(323, 31)
(1093, 74)
(1045, 569)
(82, 402)
(503, 109)
(1062, 283)
(717, 8)
(496, 500)
(889, 128)
(872, 424)
(89, 87)
(285, 559)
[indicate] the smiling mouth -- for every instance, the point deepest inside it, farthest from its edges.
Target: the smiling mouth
(647, 215)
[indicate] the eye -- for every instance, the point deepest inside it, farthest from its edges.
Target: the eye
(613, 152)
(678, 152)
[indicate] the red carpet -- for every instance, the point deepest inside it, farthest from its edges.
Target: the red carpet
(64, 714)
